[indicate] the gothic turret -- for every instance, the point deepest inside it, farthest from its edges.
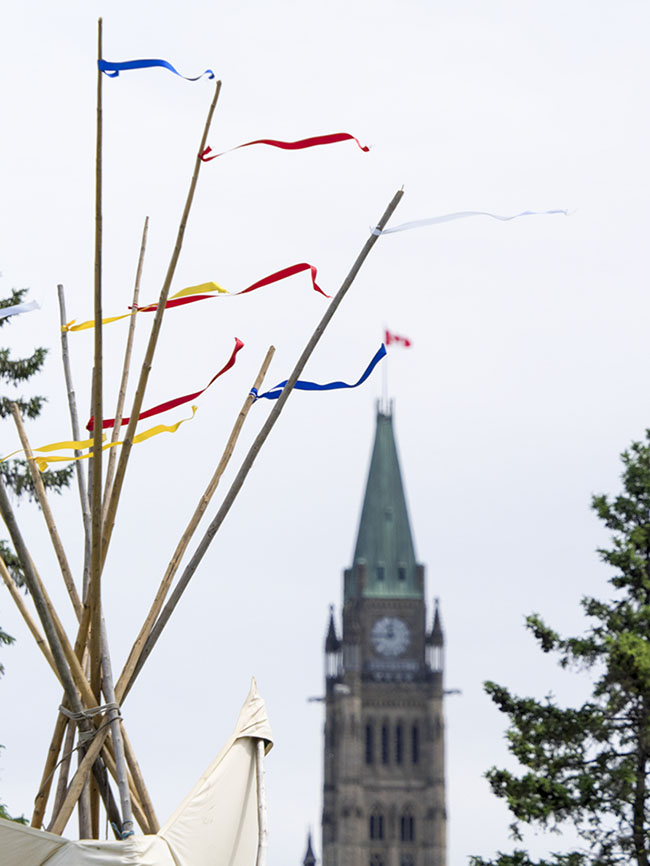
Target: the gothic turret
(436, 642)
(332, 649)
(310, 859)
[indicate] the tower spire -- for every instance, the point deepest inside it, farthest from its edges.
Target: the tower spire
(384, 541)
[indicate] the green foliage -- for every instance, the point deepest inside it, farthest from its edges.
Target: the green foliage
(5, 640)
(15, 473)
(16, 371)
(11, 561)
(4, 814)
(521, 858)
(590, 765)
(3, 809)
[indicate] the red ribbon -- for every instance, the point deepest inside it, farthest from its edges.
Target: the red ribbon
(175, 302)
(315, 141)
(272, 278)
(283, 274)
(178, 401)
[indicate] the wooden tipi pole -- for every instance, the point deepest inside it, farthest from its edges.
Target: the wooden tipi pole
(254, 450)
(94, 590)
(126, 367)
(125, 450)
(55, 638)
(186, 537)
(41, 496)
(74, 422)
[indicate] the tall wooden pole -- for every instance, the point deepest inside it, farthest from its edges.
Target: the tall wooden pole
(125, 450)
(55, 638)
(186, 537)
(85, 827)
(118, 744)
(96, 494)
(253, 451)
(41, 798)
(126, 367)
(27, 617)
(64, 768)
(80, 469)
(41, 496)
(94, 598)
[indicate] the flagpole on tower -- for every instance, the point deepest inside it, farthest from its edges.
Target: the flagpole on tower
(385, 388)
(391, 337)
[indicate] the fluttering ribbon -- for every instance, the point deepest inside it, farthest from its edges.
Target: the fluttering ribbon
(59, 446)
(314, 141)
(43, 462)
(302, 385)
(112, 69)
(205, 291)
(15, 309)
(177, 401)
(283, 275)
(449, 217)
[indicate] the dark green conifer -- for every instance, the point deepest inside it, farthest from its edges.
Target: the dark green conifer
(589, 766)
(15, 373)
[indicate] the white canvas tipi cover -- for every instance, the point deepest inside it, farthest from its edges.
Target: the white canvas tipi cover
(216, 824)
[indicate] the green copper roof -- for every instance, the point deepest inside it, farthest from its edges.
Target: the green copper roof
(384, 540)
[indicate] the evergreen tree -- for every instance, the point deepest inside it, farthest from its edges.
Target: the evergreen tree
(7, 640)
(15, 473)
(590, 765)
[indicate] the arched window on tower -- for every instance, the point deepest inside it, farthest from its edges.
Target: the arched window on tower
(399, 743)
(370, 742)
(376, 860)
(407, 826)
(376, 824)
(385, 743)
(406, 860)
(331, 734)
(415, 744)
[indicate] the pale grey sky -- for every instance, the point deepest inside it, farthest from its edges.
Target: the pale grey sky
(528, 373)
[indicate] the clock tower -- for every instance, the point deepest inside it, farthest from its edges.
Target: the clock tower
(384, 789)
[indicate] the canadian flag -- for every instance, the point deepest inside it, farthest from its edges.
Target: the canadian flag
(390, 338)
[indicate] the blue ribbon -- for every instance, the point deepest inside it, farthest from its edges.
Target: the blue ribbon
(301, 385)
(114, 69)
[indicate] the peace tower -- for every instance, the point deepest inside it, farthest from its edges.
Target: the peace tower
(384, 782)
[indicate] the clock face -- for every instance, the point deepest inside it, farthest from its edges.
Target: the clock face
(390, 636)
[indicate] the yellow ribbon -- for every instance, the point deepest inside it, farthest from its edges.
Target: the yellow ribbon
(200, 290)
(43, 462)
(55, 446)
(203, 289)
(91, 324)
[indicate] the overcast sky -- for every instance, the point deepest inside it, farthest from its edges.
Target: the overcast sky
(527, 376)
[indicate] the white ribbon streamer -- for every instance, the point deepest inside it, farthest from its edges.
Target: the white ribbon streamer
(19, 308)
(459, 215)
